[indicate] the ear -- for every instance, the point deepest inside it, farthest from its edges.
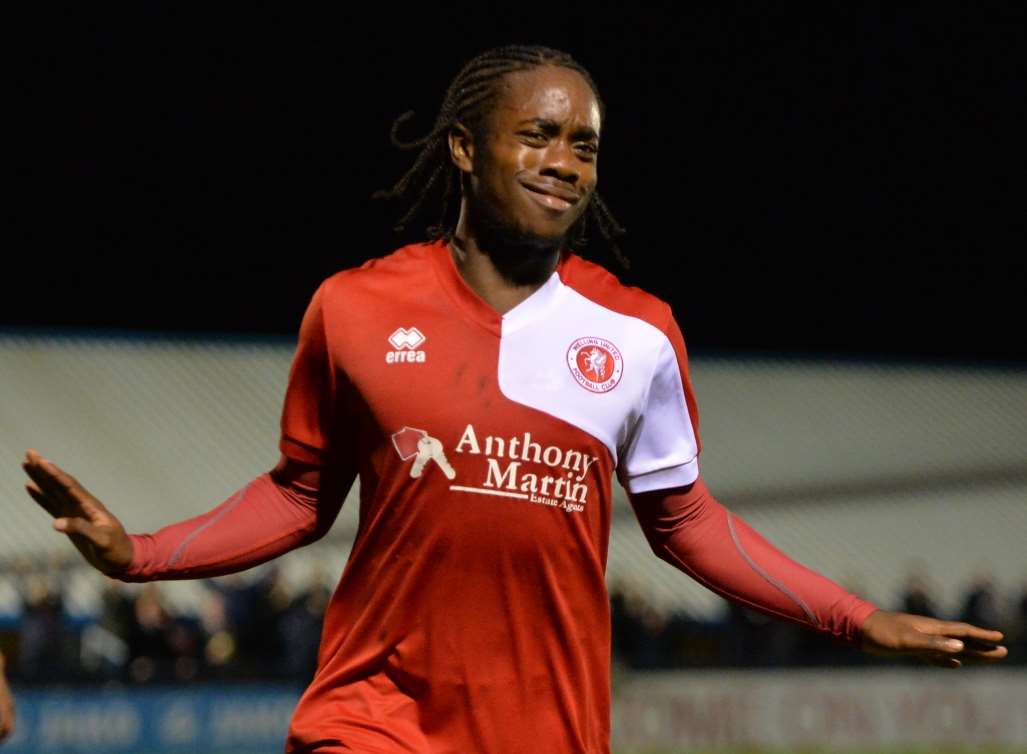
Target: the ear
(461, 147)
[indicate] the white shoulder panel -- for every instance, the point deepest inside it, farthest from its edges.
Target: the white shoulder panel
(608, 374)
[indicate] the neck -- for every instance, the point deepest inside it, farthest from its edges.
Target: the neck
(500, 271)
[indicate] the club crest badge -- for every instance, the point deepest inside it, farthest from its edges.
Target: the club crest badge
(595, 363)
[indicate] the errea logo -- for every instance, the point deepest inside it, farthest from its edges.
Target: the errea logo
(406, 342)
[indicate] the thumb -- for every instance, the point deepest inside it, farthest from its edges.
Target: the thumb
(77, 525)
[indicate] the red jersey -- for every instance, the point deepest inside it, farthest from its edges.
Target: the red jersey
(472, 615)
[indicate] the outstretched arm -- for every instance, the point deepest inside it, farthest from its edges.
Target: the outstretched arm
(273, 514)
(691, 530)
(276, 512)
(290, 506)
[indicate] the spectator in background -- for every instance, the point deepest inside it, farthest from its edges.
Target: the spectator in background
(105, 649)
(300, 631)
(43, 655)
(6, 704)
(640, 636)
(220, 648)
(263, 604)
(625, 629)
(754, 640)
(980, 603)
(161, 647)
(252, 612)
(916, 592)
(117, 608)
(1019, 621)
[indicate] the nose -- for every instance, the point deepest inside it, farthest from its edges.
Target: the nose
(560, 162)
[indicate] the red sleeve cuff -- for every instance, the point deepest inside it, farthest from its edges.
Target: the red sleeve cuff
(857, 617)
(142, 556)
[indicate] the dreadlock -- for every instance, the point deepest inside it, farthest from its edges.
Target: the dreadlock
(468, 101)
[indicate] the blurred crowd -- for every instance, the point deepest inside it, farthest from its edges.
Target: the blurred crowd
(267, 628)
(645, 638)
(238, 629)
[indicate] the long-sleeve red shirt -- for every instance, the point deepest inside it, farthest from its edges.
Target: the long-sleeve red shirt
(686, 527)
(472, 614)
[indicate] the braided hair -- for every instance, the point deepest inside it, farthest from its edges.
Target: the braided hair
(468, 101)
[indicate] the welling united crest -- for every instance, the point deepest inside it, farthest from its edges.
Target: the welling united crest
(595, 363)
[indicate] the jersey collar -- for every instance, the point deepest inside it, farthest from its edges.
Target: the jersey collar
(535, 307)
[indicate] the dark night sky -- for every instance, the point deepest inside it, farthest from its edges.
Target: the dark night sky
(846, 184)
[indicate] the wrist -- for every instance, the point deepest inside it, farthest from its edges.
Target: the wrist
(868, 627)
(140, 547)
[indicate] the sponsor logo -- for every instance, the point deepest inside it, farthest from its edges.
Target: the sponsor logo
(406, 342)
(515, 467)
(512, 469)
(595, 363)
(411, 442)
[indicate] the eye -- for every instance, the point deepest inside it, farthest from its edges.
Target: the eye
(586, 152)
(537, 136)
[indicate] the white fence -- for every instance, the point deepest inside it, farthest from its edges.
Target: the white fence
(829, 710)
(855, 469)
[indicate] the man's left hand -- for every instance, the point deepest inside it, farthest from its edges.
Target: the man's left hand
(939, 642)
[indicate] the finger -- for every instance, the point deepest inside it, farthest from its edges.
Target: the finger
(44, 469)
(942, 645)
(61, 478)
(76, 491)
(921, 645)
(46, 503)
(916, 642)
(77, 526)
(985, 653)
(63, 487)
(45, 481)
(966, 631)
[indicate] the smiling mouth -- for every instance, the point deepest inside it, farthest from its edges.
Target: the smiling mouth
(547, 200)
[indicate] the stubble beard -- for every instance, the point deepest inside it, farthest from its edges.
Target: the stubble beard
(522, 257)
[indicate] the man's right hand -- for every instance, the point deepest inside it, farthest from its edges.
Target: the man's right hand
(94, 530)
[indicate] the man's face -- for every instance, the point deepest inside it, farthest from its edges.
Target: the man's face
(536, 170)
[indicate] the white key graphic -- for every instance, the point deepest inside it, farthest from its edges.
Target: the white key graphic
(430, 449)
